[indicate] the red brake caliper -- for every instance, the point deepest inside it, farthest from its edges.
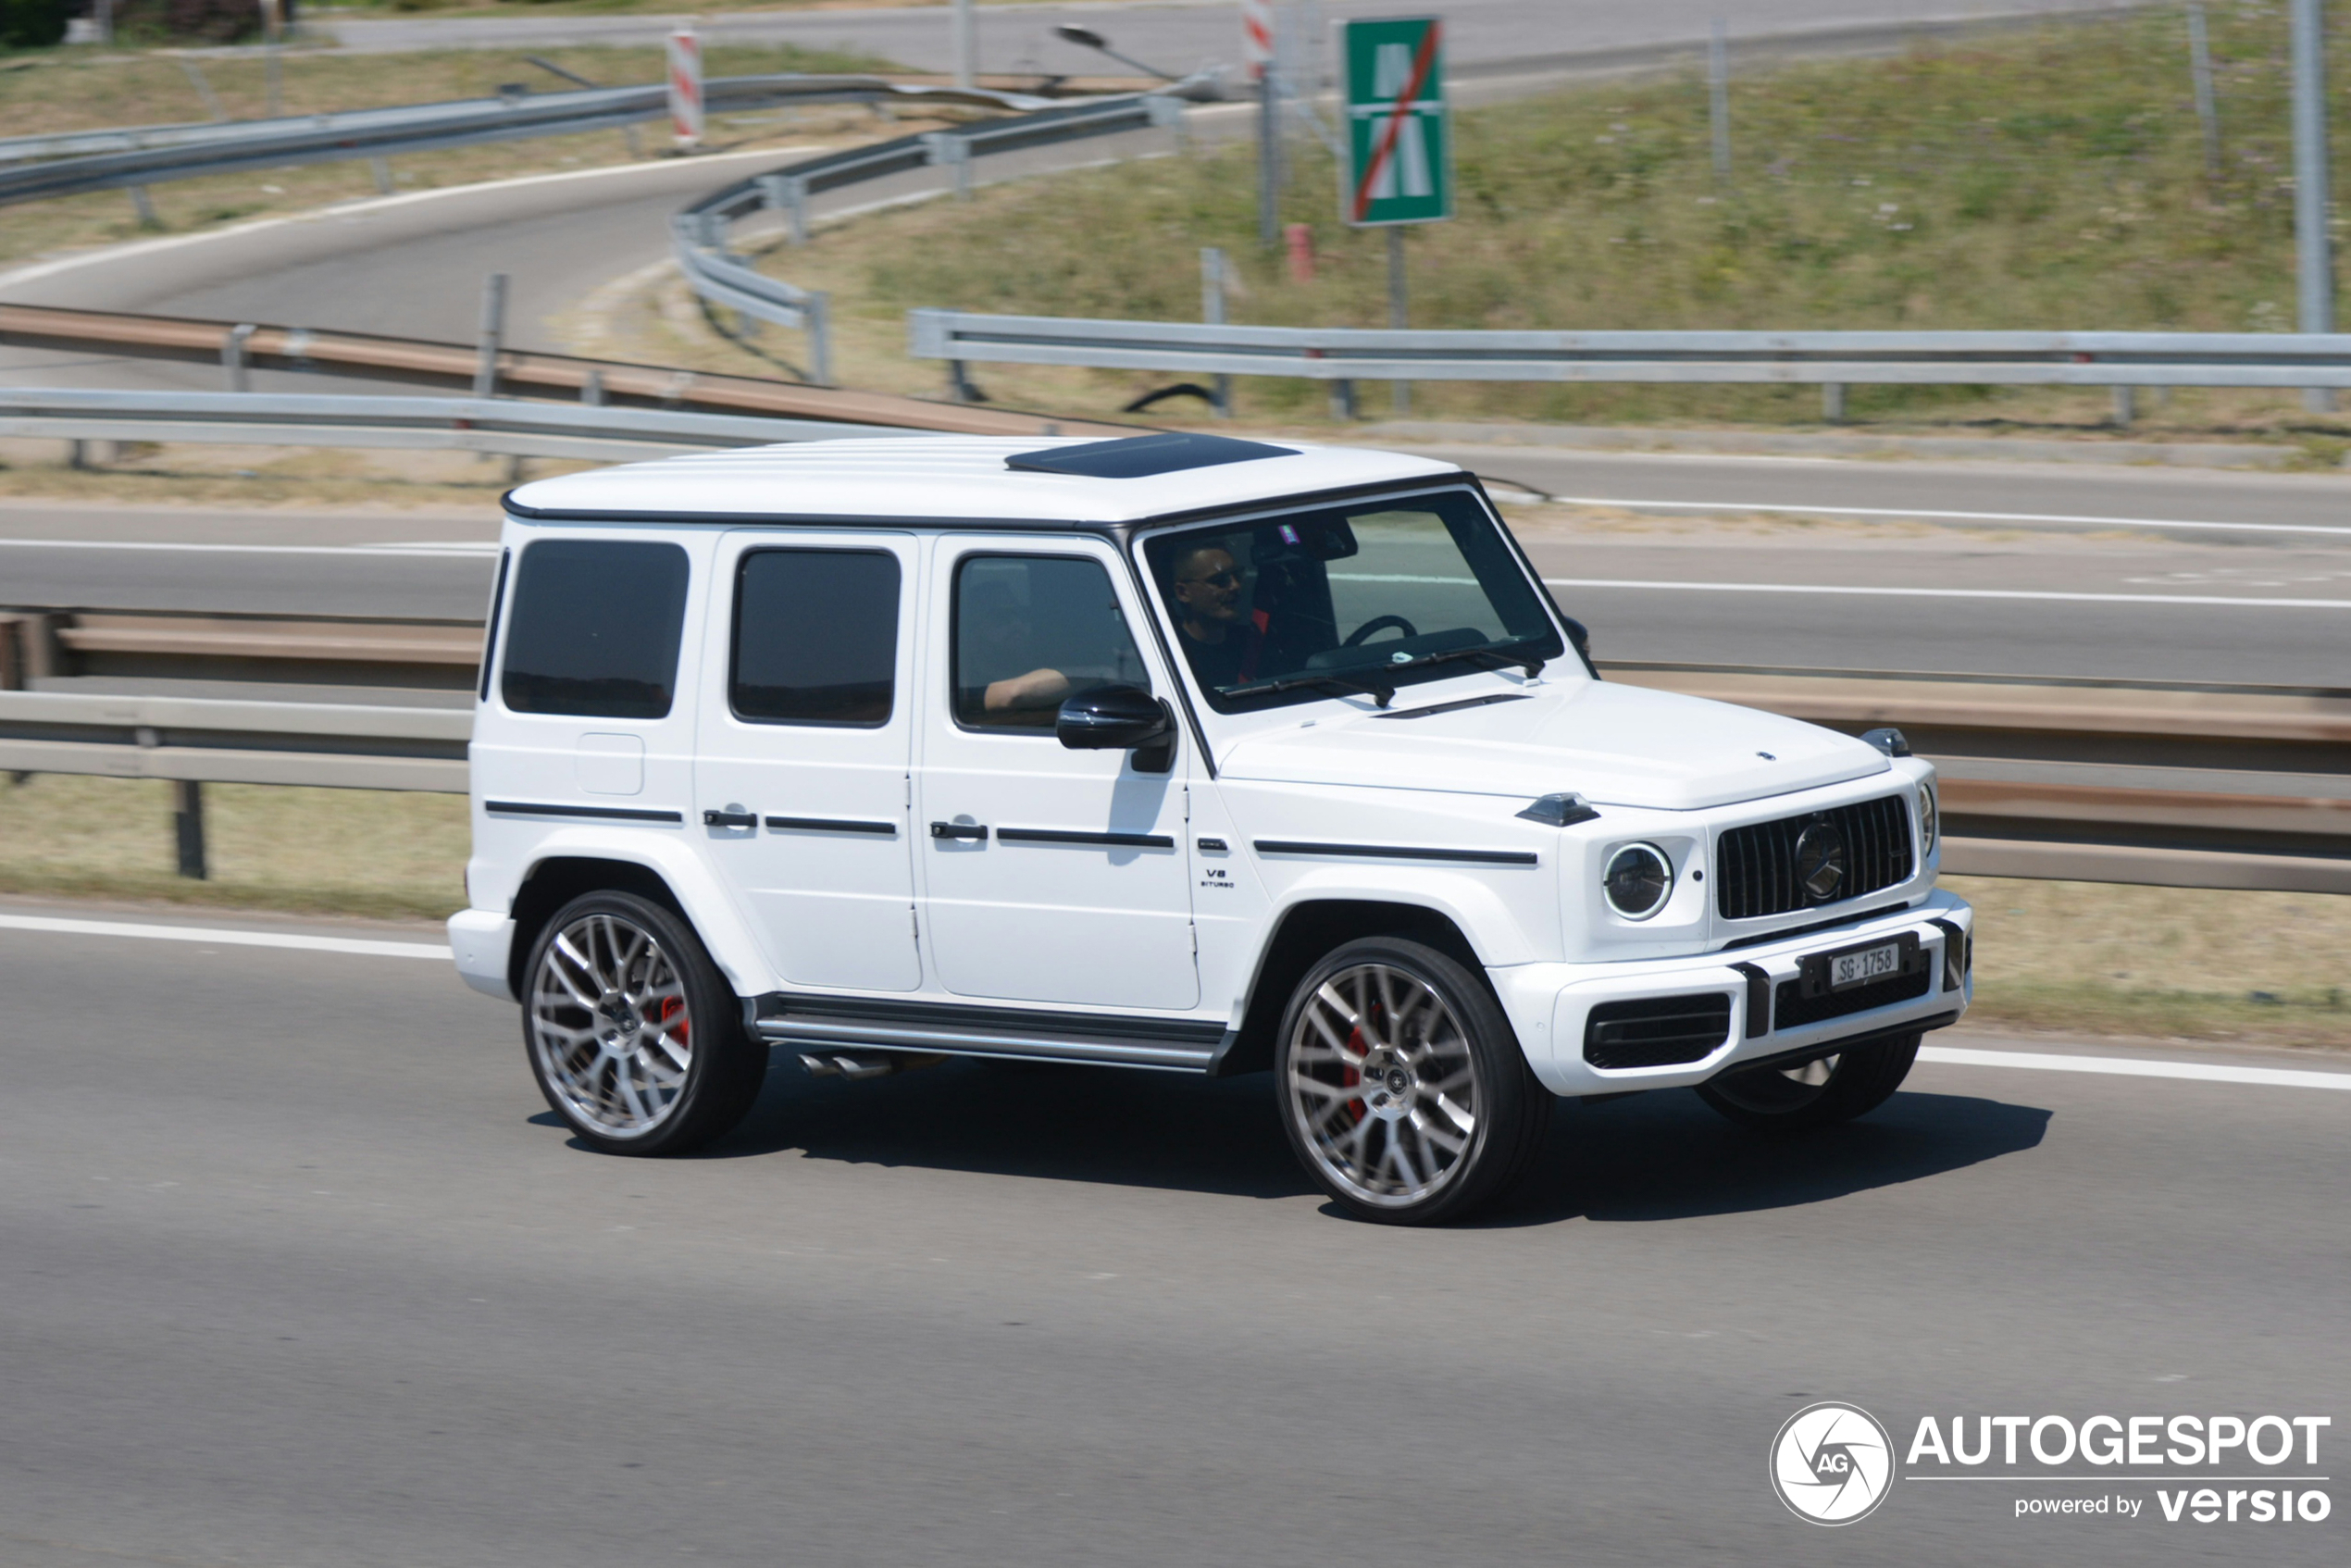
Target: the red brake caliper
(1348, 1077)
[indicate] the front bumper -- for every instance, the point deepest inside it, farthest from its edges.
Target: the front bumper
(483, 941)
(1552, 1003)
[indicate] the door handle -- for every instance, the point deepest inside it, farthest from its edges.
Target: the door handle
(730, 819)
(960, 830)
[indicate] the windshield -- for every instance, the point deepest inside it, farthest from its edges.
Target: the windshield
(1368, 597)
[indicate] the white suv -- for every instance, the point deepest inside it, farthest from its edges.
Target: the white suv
(1174, 751)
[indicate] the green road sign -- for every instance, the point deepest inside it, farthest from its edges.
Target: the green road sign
(1399, 143)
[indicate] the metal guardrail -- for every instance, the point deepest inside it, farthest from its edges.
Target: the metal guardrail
(2120, 360)
(700, 233)
(65, 164)
(241, 347)
(510, 426)
(2220, 833)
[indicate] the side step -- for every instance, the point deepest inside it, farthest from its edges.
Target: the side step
(836, 1031)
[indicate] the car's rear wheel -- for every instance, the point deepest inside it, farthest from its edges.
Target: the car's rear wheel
(1817, 1093)
(634, 1036)
(1402, 1086)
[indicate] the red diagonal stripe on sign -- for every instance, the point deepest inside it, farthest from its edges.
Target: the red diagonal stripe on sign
(1423, 63)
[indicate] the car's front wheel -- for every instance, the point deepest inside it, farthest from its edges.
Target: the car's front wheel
(1402, 1086)
(634, 1037)
(1819, 1093)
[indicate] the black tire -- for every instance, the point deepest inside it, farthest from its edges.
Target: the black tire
(1777, 1099)
(608, 1061)
(1359, 1148)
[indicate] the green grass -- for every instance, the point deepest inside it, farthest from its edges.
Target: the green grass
(2052, 179)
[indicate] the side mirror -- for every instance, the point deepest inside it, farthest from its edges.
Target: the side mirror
(1113, 718)
(1580, 636)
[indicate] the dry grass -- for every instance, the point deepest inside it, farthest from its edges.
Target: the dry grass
(343, 852)
(2089, 957)
(2052, 180)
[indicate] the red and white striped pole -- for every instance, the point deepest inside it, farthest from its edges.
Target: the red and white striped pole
(1256, 58)
(685, 89)
(1257, 36)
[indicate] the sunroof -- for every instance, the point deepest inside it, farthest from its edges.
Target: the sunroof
(1138, 457)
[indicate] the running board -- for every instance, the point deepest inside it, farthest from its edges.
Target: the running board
(947, 1029)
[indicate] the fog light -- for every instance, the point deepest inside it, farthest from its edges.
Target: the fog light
(1638, 880)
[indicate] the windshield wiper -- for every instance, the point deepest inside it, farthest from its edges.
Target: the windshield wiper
(1379, 694)
(1486, 658)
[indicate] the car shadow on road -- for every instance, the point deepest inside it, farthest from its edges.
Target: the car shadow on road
(1657, 1156)
(1666, 1156)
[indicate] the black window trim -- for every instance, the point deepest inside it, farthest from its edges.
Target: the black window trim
(490, 632)
(955, 619)
(735, 627)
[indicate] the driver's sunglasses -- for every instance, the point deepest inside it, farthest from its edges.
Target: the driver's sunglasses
(1226, 579)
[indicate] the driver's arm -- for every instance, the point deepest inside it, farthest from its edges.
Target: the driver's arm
(1038, 688)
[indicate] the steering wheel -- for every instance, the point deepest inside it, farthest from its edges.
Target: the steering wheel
(1363, 634)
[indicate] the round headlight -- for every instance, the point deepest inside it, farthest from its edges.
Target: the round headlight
(1930, 821)
(1638, 879)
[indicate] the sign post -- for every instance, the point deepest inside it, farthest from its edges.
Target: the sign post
(1256, 58)
(1399, 144)
(685, 89)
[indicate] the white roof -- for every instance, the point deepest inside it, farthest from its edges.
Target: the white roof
(950, 478)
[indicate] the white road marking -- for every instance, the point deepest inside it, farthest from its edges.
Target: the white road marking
(2133, 1067)
(2032, 593)
(452, 551)
(365, 946)
(1834, 511)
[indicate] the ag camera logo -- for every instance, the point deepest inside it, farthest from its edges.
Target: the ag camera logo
(1831, 1463)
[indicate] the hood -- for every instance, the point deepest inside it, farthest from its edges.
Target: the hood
(1614, 745)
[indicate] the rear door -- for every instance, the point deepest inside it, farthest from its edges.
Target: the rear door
(806, 738)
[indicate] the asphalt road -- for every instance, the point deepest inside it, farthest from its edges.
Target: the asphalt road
(301, 1270)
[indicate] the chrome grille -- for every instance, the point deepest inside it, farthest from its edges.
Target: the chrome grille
(1756, 871)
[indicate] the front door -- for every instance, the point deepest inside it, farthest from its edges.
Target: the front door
(801, 782)
(1049, 875)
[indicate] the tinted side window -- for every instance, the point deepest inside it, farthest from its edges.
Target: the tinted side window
(595, 627)
(1031, 630)
(816, 636)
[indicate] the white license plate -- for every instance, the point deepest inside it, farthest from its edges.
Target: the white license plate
(1860, 968)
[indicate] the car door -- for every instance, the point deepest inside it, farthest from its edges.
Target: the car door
(804, 743)
(1049, 875)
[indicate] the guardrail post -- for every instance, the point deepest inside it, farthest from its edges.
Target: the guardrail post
(494, 327)
(591, 390)
(1343, 401)
(1167, 114)
(1212, 310)
(187, 826)
(146, 208)
(788, 193)
(1833, 403)
(818, 313)
(959, 383)
(2126, 406)
(951, 153)
(233, 356)
(382, 169)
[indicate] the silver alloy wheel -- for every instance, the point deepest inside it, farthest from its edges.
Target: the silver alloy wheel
(1382, 1085)
(610, 1026)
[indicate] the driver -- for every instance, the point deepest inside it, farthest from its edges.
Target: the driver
(1223, 639)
